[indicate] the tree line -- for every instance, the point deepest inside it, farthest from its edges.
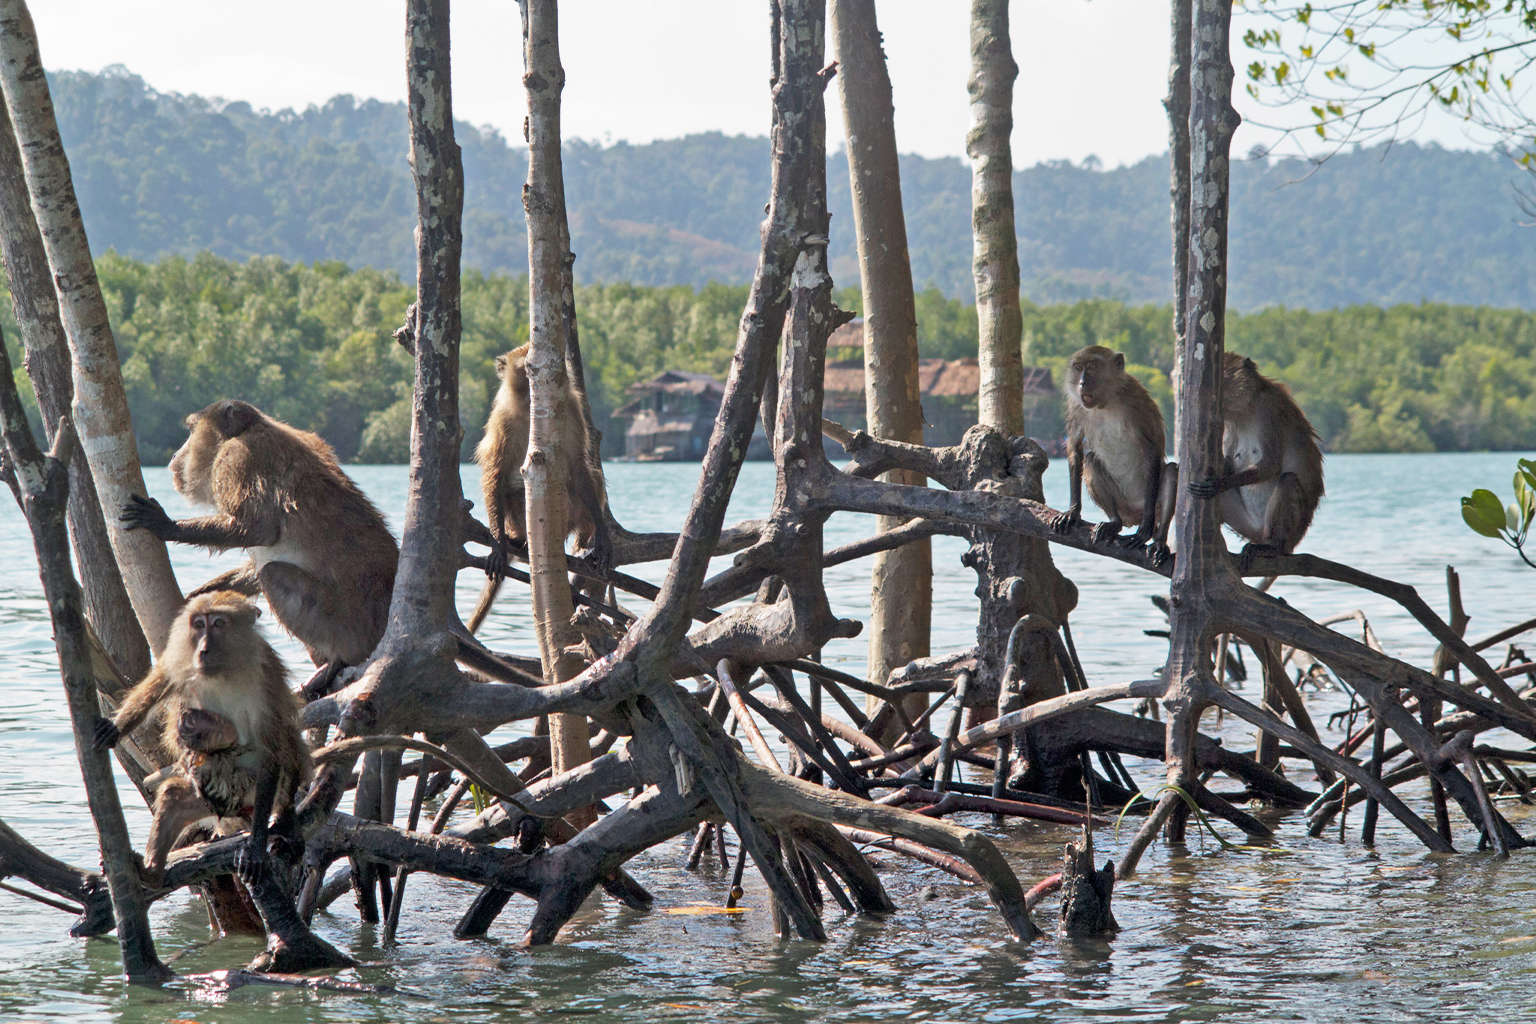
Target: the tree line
(313, 345)
(162, 173)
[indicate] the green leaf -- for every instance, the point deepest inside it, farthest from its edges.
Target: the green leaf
(1484, 512)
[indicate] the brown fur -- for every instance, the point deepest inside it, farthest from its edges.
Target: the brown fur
(501, 454)
(1272, 472)
(1115, 444)
(323, 557)
(229, 717)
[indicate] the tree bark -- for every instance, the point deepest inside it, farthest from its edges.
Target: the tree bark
(901, 583)
(41, 486)
(47, 361)
(430, 548)
(1203, 569)
(547, 466)
(100, 405)
(1177, 106)
(996, 259)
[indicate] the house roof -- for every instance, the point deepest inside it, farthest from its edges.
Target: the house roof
(850, 335)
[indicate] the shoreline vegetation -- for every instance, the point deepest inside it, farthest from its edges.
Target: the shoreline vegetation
(313, 345)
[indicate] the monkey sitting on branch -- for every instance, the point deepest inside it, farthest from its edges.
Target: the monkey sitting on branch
(501, 454)
(320, 550)
(233, 723)
(1116, 444)
(1272, 468)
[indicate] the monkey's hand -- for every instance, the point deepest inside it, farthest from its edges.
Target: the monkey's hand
(251, 863)
(496, 559)
(1208, 487)
(1065, 522)
(141, 513)
(106, 735)
(600, 555)
(1159, 552)
(288, 845)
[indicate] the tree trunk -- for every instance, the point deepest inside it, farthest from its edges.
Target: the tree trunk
(47, 360)
(996, 260)
(1202, 560)
(41, 484)
(430, 546)
(1177, 105)
(999, 559)
(101, 407)
(901, 586)
(548, 464)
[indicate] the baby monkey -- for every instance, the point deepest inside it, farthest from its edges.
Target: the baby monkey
(1115, 443)
(1271, 478)
(232, 722)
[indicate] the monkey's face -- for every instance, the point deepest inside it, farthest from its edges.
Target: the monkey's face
(1092, 373)
(210, 643)
(192, 465)
(219, 630)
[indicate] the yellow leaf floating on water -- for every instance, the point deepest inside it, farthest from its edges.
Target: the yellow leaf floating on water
(703, 909)
(1519, 938)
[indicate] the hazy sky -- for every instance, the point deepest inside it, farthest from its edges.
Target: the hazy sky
(1092, 74)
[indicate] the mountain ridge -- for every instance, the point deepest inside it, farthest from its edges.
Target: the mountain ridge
(164, 173)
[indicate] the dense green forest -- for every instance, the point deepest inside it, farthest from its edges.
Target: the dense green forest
(313, 345)
(166, 174)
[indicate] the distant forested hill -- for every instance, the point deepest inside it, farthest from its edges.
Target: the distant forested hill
(161, 174)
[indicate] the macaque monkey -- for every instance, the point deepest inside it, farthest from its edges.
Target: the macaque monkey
(1272, 468)
(232, 722)
(319, 548)
(1115, 443)
(500, 455)
(320, 552)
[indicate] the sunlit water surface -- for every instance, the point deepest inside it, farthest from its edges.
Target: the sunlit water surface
(1304, 930)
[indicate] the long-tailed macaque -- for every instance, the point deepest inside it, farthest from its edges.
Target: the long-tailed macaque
(323, 557)
(500, 455)
(1272, 468)
(232, 721)
(320, 550)
(1115, 443)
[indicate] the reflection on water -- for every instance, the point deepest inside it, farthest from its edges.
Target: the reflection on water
(1304, 930)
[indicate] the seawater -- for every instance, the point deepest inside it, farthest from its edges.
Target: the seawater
(1304, 929)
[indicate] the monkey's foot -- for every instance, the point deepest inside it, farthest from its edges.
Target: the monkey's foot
(322, 682)
(1133, 540)
(1252, 552)
(303, 952)
(1063, 522)
(1159, 553)
(151, 876)
(1104, 532)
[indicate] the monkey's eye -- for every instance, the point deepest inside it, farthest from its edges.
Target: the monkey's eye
(198, 622)
(217, 622)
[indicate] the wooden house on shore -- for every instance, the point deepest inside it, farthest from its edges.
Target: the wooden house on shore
(670, 417)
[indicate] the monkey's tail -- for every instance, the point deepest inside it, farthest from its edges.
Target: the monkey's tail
(483, 606)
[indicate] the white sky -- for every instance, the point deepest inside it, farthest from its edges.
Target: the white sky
(1092, 74)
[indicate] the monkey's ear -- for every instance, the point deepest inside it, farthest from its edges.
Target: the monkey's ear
(1119, 360)
(235, 418)
(501, 366)
(1250, 365)
(255, 612)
